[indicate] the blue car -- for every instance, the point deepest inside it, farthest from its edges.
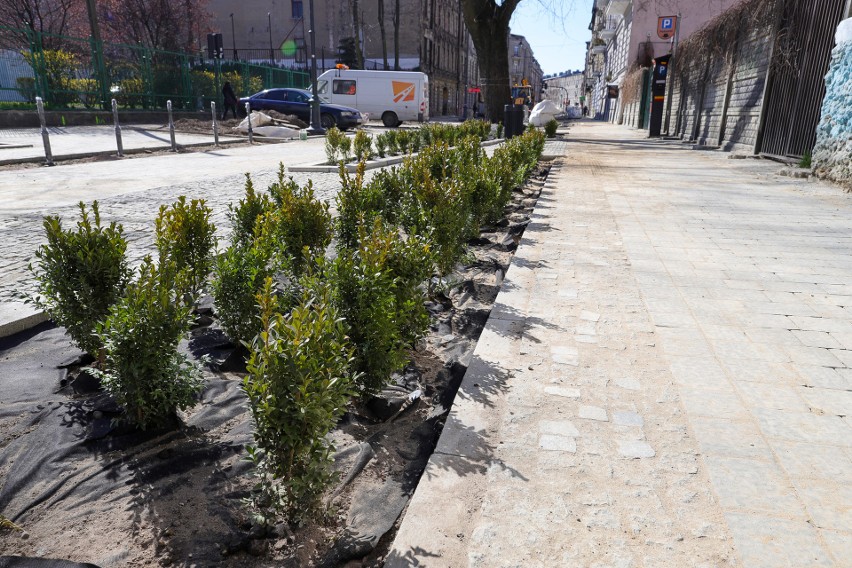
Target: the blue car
(297, 102)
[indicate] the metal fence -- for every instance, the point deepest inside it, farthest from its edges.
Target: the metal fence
(78, 73)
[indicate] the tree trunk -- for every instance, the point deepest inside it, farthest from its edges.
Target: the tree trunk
(396, 36)
(488, 24)
(356, 32)
(382, 31)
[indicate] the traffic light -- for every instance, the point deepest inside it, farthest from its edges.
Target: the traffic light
(215, 46)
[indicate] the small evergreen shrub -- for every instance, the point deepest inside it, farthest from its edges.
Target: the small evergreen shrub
(238, 277)
(381, 145)
(377, 293)
(186, 236)
(391, 137)
(362, 146)
(301, 221)
(80, 274)
(550, 128)
(357, 204)
(144, 371)
(499, 130)
(298, 385)
(244, 216)
(334, 138)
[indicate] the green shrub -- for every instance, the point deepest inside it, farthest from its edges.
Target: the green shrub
(298, 384)
(238, 277)
(384, 309)
(301, 220)
(391, 137)
(334, 138)
(550, 128)
(86, 90)
(362, 146)
(58, 68)
(186, 236)
(357, 204)
(403, 141)
(131, 93)
(80, 274)
(499, 130)
(346, 149)
(381, 145)
(806, 160)
(27, 88)
(244, 216)
(144, 371)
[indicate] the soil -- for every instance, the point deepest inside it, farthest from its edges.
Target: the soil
(80, 489)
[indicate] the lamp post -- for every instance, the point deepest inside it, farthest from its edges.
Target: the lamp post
(233, 36)
(269, 23)
(316, 126)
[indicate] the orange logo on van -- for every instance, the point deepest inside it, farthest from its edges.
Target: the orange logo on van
(402, 91)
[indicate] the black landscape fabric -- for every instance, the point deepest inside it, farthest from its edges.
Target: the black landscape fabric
(61, 452)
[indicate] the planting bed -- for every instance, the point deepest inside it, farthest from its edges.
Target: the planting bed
(78, 488)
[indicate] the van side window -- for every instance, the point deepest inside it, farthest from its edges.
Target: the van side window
(343, 87)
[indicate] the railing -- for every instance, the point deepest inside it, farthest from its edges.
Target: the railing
(75, 73)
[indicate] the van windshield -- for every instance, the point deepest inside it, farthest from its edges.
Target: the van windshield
(322, 87)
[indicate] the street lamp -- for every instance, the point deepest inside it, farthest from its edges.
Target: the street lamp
(269, 24)
(316, 126)
(233, 36)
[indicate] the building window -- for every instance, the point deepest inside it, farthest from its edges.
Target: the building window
(517, 50)
(297, 9)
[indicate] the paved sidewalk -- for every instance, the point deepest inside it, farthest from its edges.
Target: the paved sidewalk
(665, 378)
(26, 143)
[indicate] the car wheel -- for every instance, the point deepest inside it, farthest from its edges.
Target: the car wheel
(390, 119)
(327, 121)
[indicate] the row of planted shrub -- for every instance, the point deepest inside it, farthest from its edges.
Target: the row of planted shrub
(319, 330)
(393, 142)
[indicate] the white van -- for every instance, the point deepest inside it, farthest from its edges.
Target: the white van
(393, 96)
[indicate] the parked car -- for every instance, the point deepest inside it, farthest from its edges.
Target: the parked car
(297, 102)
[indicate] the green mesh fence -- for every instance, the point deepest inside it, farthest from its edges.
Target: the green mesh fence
(75, 73)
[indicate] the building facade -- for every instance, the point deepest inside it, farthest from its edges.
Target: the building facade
(426, 35)
(566, 88)
(523, 66)
(624, 37)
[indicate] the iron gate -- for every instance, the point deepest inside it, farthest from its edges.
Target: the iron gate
(796, 79)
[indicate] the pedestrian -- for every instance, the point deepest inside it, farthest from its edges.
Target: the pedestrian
(230, 100)
(585, 110)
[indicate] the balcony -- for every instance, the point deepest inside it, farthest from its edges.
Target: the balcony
(617, 7)
(598, 49)
(607, 34)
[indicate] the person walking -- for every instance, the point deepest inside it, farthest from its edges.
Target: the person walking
(230, 100)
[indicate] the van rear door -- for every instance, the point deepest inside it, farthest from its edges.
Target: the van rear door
(423, 114)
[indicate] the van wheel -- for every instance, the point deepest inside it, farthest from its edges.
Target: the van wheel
(390, 119)
(327, 121)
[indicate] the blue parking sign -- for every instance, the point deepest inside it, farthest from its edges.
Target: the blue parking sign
(666, 26)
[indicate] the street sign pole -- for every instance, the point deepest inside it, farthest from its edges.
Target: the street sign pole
(671, 77)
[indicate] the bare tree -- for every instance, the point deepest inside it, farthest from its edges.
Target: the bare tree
(396, 36)
(51, 17)
(160, 24)
(381, 9)
(356, 33)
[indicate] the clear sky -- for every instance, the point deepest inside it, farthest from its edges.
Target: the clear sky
(558, 40)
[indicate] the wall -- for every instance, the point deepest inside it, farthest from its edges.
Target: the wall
(832, 155)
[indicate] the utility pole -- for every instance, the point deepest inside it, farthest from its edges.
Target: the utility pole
(269, 24)
(316, 125)
(233, 37)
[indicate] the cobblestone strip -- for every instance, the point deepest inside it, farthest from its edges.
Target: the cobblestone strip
(567, 444)
(20, 235)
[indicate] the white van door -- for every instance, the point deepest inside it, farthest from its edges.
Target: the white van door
(344, 91)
